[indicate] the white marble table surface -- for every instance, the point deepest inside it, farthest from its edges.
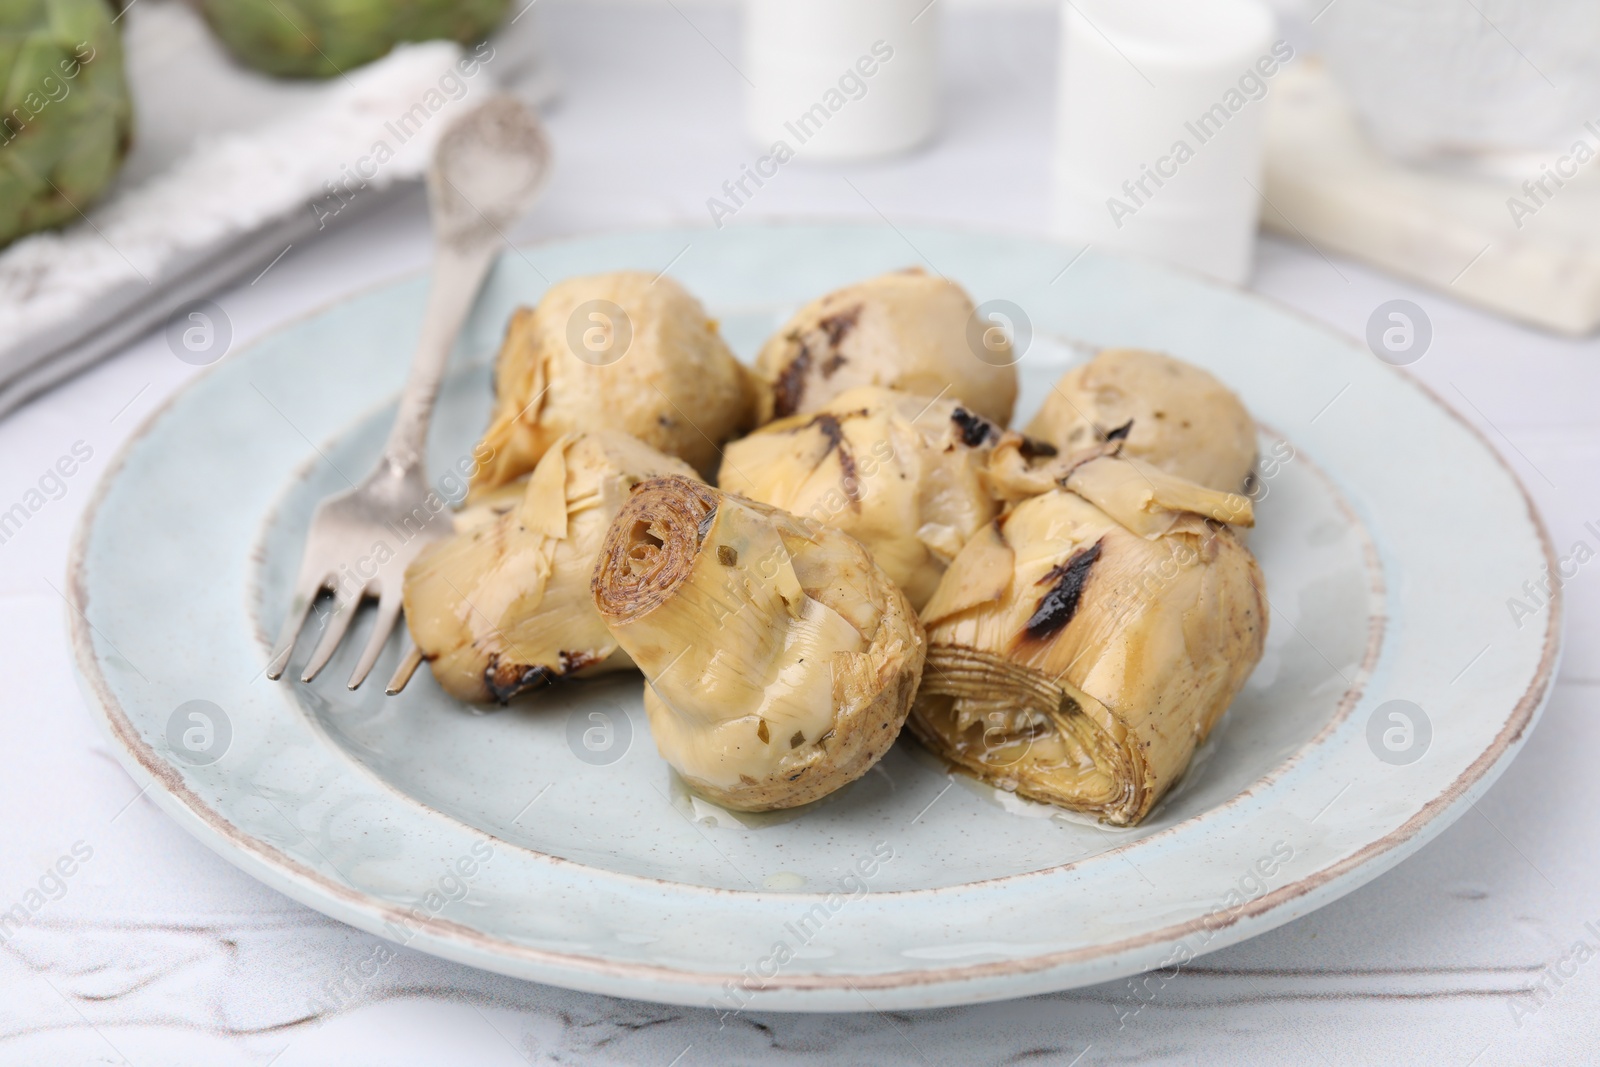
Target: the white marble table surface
(161, 953)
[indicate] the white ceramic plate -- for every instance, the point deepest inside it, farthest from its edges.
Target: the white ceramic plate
(1390, 540)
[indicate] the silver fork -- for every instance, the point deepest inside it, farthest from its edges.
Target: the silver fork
(486, 171)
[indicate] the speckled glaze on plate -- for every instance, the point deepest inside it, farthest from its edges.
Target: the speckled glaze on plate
(549, 841)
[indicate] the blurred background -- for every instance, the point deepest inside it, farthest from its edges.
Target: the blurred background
(178, 178)
(163, 148)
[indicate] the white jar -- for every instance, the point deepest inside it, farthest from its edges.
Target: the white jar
(1159, 127)
(841, 79)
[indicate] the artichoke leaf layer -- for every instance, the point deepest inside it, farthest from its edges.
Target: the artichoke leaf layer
(503, 605)
(1144, 498)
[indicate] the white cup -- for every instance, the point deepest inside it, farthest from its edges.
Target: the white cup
(1159, 127)
(841, 79)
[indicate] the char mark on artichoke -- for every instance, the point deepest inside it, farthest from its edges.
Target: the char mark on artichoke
(850, 476)
(902, 472)
(902, 331)
(837, 325)
(1094, 694)
(1167, 413)
(1033, 448)
(705, 527)
(975, 429)
(790, 387)
(506, 681)
(1060, 603)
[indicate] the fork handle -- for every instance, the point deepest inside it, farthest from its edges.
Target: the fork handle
(458, 273)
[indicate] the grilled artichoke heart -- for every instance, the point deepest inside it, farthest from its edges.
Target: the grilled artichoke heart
(1168, 413)
(503, 605)
(781, 661)
(902, 475)
(905, 330)
(1077, 662)
(621, 351)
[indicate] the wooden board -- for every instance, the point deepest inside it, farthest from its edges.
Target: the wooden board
(1532, 255)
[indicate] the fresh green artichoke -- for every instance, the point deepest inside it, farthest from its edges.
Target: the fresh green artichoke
(321, 38)
(65, 115)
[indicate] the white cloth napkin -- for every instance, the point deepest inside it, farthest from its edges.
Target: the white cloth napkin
(230, 167)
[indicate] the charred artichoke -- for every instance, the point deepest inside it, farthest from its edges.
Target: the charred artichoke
(1168, 413)
(901, 474)
(906, 331)
(1077, 662)
(780, 659)
(503, 606)
(622, 351)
